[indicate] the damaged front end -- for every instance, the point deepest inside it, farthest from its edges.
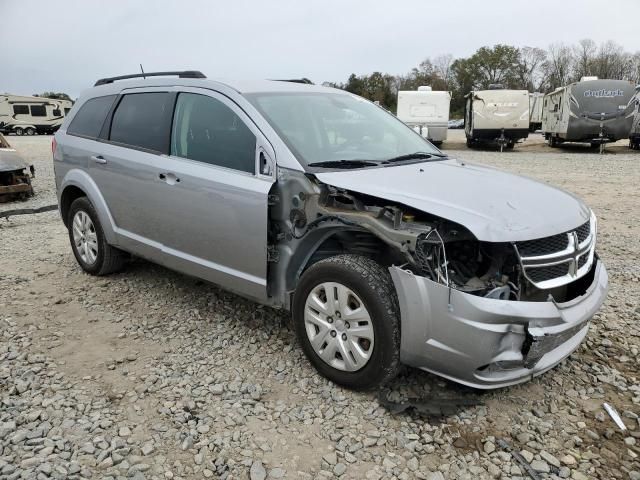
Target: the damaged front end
(15, 182)
(486, 314)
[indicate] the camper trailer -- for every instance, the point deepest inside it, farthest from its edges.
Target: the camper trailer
(427, 111)
(496, 116)
(590, 111)
(535, 111)
(634, 134)
(31, 115)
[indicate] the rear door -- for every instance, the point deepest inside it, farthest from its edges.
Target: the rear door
(213, 190)
(125, 165)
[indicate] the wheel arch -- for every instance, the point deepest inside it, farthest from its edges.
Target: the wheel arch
(328, 242)
(77, 183)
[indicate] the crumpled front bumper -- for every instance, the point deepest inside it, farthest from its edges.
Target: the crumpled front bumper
(489, 343)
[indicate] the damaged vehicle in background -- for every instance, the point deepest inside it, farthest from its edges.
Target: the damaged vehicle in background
(15, 181)
(385, 250)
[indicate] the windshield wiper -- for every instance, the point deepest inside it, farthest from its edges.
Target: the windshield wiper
(415, 156)
(343, 164)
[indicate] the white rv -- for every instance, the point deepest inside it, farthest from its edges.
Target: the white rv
(634, 135)
(31, 115)
(426, 110)
(496, 116)
(591, 111)
(535, 111)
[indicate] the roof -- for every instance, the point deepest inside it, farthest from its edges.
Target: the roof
(241, 86)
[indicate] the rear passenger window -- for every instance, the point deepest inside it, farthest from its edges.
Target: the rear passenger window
(206, 130)
(142, 120)
(89, 119)
(56, 112)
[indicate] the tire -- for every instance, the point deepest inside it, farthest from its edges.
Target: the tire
(105, 259)
(551, 141)
(510, 146)
(366, 284)
(470, 143)
(18, 131)
(30, 131)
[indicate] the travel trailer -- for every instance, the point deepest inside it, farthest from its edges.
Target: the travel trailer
(427, 111)
(634, 134)
(535, 111)
(31, 115)
(590, 111)
(496, 116)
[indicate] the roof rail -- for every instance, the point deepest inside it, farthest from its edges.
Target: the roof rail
(183, 74)
(305, 81)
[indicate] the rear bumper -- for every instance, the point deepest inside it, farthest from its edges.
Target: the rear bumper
(488, 343)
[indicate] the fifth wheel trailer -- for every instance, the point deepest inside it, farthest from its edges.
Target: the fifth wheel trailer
(590, 111)
(496, 116)
(427, 110)
(24, 115)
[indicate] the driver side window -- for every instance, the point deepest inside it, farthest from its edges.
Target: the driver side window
(206, 130)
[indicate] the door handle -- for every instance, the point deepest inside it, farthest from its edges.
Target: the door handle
(169, 178)
(99, 159)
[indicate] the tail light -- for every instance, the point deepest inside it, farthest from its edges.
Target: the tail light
(53, 145)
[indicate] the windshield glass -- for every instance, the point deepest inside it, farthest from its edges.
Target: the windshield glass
(329, 127)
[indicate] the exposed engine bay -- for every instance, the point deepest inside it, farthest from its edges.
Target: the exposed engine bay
(426, 245)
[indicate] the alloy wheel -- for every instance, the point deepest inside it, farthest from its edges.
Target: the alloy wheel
(85, 237)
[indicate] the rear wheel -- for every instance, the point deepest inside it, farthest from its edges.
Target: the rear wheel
(551, 141)
(18, 131)
(346, 317)
(88, 242)
(30, 131)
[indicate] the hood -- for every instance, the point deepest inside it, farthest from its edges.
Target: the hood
(10, 160)
(495, 206)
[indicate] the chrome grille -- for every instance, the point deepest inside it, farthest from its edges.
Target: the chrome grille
(583, 231)
(548, 273)
(559, 259)
(543, 246)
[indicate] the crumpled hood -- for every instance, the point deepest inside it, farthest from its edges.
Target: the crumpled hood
(495, 206)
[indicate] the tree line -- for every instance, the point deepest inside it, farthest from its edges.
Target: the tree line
(529, 68)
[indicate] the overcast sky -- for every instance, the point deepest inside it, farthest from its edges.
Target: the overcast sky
(66, 45)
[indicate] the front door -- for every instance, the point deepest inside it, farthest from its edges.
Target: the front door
(213, 221)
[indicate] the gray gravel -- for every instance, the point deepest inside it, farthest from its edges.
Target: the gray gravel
(151, 374)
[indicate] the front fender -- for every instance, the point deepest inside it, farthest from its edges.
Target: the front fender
(81, 179)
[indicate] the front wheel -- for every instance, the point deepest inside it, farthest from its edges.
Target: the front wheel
(346, 317)
(18, 131)
(30, 131)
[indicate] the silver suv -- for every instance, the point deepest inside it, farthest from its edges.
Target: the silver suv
(316, 201)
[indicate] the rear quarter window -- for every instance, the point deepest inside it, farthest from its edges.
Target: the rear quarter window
(143, 120)
(90, 118)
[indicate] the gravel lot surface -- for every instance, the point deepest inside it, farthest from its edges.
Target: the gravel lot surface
(151, 374)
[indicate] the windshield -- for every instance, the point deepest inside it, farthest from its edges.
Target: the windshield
(330, 127)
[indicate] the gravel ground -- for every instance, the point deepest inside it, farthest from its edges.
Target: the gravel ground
(151, 374)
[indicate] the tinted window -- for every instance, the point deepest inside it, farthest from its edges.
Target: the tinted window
(38, 111)
(206, 130)
(56, 112)
(88, 121)
(142, 120)
(20, 110)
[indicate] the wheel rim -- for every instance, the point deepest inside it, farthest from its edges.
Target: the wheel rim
(339, 326)
(85, 237)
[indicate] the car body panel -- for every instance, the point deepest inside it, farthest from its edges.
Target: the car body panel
(454, 334)
(495, 206)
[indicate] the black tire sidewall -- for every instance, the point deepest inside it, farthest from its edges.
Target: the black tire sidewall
(83, 204)
(385, 326)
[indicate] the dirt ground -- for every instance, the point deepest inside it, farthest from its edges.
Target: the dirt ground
(151, 374)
